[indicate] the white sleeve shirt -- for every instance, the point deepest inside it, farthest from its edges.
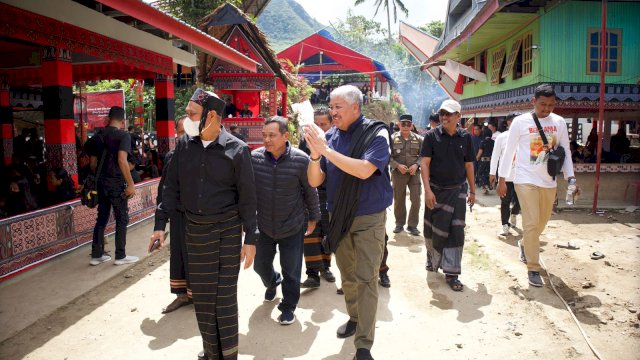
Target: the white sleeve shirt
(525, 143)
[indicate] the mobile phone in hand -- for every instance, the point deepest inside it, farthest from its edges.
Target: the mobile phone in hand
(154, 246)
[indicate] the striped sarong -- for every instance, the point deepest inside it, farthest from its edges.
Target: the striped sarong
(444, 229)
(315, 258)
(214, 263)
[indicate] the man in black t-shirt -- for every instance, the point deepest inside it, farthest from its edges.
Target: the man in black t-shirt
(115, 186)
(447, 175)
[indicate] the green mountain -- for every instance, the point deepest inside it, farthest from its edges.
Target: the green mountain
(285, 22)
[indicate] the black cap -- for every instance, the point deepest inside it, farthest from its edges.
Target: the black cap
(116, 113)
(406, 117)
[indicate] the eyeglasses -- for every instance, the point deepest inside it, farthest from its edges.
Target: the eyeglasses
(444, 113)
(405, 124)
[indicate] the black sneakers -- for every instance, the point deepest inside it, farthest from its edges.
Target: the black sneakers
(363, 354)
(328, 275)
(384, 280)
(413, 231)
(535, 279)
(312, 282)
(347, 329)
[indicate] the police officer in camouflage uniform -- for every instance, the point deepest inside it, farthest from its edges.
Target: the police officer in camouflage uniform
(405, 162)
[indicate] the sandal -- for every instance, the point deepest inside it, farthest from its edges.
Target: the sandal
(454, 283)
(176, 304)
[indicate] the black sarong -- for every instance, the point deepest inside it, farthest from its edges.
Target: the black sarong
(214, 262)
(178, 272)
(444, 229)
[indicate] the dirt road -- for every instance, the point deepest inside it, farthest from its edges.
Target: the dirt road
(497, 316)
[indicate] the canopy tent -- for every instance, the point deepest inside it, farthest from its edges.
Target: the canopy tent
(321, 56)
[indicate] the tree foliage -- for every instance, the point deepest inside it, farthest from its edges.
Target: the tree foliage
(434, 28)
(385, 3)
(191, 11)
(358, 31)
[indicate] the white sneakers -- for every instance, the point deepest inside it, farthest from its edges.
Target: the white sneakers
(513, 220)
(505, 230)
(126, 260)
(105, 258)
(100, 260)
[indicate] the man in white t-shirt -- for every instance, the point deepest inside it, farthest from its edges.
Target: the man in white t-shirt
(536, 190)
(507, 213)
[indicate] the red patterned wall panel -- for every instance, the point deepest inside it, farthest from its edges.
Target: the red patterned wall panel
(31, 238)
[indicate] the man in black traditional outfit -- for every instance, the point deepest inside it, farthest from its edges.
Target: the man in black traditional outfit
(211, 177)
(447, 175)
(178, 273)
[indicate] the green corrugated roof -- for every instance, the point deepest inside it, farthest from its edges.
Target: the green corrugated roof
(498, 28)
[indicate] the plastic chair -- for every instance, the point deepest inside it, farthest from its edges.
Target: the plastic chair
(632, 184)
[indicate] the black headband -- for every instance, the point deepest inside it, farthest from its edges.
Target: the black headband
(208, 100)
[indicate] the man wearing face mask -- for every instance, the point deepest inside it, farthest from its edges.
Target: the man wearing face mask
(211, 177)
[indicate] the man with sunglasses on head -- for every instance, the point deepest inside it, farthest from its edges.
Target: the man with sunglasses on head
(447, 174)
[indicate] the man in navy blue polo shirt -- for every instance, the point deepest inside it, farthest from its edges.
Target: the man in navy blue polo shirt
(354, 158)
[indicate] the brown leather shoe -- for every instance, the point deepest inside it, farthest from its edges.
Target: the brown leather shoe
(176, 304)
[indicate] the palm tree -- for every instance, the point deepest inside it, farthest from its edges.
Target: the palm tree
(396, 4)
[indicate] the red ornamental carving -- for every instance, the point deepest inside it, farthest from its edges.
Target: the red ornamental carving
(25, 25)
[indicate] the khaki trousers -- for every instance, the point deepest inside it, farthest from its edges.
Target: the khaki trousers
(400, 183)
(358, 257)
(536, 204)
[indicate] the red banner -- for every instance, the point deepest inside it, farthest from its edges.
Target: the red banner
(95, 106)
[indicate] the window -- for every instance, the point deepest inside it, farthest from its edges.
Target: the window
(523, 61)
(480, 63)
(527, 54)
(515, 49)
(613, 52)
(497, 66)
(470, 63)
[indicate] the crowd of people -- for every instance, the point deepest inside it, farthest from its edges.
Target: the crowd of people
(31, 186)
(229, 207)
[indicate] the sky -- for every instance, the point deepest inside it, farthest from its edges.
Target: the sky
(421, 12)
